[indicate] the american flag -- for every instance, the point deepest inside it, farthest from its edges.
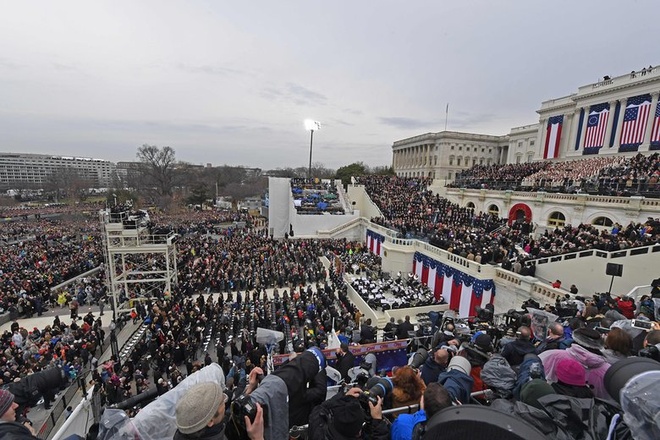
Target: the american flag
(634, 120)
(655, 132)
(553, 136)
(596, 125)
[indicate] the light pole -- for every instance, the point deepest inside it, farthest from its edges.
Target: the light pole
(311, 126)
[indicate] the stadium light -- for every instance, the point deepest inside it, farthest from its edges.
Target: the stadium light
(311, 126)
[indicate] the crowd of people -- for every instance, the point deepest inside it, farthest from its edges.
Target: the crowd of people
(187, 330)
(607, 175)
(57, 251)
(411, 209)
(532, 371)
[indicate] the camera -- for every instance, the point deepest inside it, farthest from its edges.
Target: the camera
(651, 352)
(380, 387)
(419, 358)
(244, 406)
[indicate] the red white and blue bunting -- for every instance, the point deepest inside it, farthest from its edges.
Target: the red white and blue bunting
(375, 242)
(462, 292)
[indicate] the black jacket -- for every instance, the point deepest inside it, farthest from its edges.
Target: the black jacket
(514, 352)
(404, 328)
(15, 431)
(344, 364)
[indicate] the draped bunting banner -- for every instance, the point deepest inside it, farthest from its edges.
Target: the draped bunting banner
(463, 292)
(375, 242)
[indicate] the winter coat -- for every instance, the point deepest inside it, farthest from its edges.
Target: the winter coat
(458, 384)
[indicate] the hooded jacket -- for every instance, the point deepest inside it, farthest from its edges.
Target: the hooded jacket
(458, 384)
(595, 366)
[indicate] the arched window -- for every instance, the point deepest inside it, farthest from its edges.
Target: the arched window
(458, 161)
(451, 160)
(556, 219)
(493, 209)
(602, 221)
(469, 205)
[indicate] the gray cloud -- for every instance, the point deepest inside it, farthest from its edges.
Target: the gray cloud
(295, 93)
(406, 123)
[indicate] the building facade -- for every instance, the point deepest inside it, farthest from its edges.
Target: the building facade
(442, 155)
(612, 116)
(32, 171)
(618, 115)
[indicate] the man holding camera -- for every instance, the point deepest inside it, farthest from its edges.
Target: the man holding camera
(10, 429)
(200, 415)
(344, 417)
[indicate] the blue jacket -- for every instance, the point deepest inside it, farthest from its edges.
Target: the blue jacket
(458, 384)
(402, 428)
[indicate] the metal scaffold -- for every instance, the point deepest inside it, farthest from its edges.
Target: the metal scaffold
(140, 257)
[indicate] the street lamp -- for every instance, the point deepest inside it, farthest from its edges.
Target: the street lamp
(311, 126)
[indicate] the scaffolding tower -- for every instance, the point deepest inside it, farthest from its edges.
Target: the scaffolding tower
(140, 257)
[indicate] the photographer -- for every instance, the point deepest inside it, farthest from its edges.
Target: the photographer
(281, 393)
(200, 415)
(514, 352)
(407, 426)
(10, 428)
(343, 417)
(434, 365)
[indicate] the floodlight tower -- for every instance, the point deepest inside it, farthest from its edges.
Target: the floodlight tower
(311, 125)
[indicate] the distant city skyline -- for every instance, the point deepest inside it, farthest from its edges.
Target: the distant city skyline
(231, 83)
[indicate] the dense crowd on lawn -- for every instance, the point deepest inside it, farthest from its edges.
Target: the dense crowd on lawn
(608, 175)
(58, 251)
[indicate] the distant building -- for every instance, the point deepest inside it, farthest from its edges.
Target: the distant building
(24, 170)
(442, 155)
(614, 116)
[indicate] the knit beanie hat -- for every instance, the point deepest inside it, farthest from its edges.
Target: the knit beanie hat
(533, 390)
(347, 417)
(484, 342)
(6, 399)
(198, 406)
(571, 372)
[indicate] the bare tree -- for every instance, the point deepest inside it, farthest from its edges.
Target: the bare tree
(157, 166)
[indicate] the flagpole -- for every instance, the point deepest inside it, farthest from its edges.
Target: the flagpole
(446, 116)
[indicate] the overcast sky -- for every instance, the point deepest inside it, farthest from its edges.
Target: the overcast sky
(230, 82)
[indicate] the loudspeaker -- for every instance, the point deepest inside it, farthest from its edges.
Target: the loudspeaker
(614, 269)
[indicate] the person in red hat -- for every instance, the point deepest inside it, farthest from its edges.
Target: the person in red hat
(10, 429)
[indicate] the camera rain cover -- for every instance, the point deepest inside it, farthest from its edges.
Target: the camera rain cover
(540, 321)
(268, 337)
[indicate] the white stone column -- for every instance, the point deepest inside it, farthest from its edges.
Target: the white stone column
(608, 130)
(572, 136)
(619, 123)
(649, 123)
